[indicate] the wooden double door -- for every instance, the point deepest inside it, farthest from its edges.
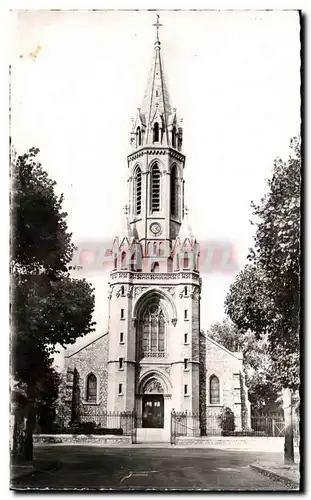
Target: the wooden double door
(153, 411)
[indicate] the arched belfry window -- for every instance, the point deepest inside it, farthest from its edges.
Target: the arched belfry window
(155, 189)
(156, 132)
(174, 192)
(174, 137)
(137, 191)
(91, 388)
(153, 331)
(138, 137)
(214, 390)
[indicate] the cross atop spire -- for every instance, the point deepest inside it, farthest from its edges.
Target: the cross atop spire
(157, 25)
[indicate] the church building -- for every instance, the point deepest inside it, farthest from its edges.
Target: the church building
(154, 359)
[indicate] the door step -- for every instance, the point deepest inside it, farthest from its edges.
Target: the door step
(149, 435)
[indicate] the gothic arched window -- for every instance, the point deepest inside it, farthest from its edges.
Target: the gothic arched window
(214, 393)
(156, 132)
(174, 137)
(137, 191)
(138, 137)
(123, 260)
(153, 331)
(91, 388)
(155, 189)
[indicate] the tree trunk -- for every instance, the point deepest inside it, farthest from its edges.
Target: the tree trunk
(30, 426)
(288, 421)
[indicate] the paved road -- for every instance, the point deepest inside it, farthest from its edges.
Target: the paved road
(150, 468)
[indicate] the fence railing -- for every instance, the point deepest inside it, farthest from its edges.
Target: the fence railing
(209, 424)
(91, 420)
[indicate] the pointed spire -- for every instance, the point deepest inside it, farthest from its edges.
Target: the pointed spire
(185, 231)
(125, 230)
(156, 108)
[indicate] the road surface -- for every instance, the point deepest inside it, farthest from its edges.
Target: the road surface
(157, 468)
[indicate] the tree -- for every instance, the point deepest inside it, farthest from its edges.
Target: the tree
(257, 362)
(274, 306)
(49, 307)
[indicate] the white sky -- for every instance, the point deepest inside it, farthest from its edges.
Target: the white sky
(234, 77)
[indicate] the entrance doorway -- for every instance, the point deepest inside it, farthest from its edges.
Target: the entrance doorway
(153, 411)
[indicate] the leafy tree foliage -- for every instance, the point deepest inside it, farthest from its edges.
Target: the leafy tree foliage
(257, 361)
(266, 294)
(49, 307)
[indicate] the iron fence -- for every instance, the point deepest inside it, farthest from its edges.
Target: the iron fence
(184, 424)
(209, 424)
(108, 420)
(273, 426)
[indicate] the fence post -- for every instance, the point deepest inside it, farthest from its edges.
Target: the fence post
(172, 427)
(273, 427)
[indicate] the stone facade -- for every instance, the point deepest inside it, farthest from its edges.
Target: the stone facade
(154, 338)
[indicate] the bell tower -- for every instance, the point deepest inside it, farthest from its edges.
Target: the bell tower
(156, 163)
(154, 311)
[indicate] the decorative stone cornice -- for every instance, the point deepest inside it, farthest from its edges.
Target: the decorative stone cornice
(137, 276)
(157, 151)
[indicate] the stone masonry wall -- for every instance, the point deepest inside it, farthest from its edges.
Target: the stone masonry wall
(90, 359)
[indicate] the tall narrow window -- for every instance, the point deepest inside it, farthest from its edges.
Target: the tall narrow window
(121, 337)
(185, 389)
(115, 261)
(174, 192)
(138, 137)
(214, 390)
(156, 132)
(137, 191)
(91, 388)
(186, 338)
(120, 363)
(186, 291)
(186, 260)
(174, 137)
(120, 388)
(122, 313)
(155, 189)
(123, 260)
(122, 291)
(186, 314)
(154, 248)
(185, 364)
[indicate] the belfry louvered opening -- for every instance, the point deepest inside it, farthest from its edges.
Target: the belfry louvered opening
(155, 188)
(137, 191)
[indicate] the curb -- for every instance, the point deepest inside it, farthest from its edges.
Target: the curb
(50, 467)
(275, 475)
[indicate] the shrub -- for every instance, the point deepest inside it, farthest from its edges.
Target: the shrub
(226, 420)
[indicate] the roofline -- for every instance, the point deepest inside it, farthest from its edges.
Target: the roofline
(222, 347)
(83, 347)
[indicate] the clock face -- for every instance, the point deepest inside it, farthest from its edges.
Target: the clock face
(155, 228)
